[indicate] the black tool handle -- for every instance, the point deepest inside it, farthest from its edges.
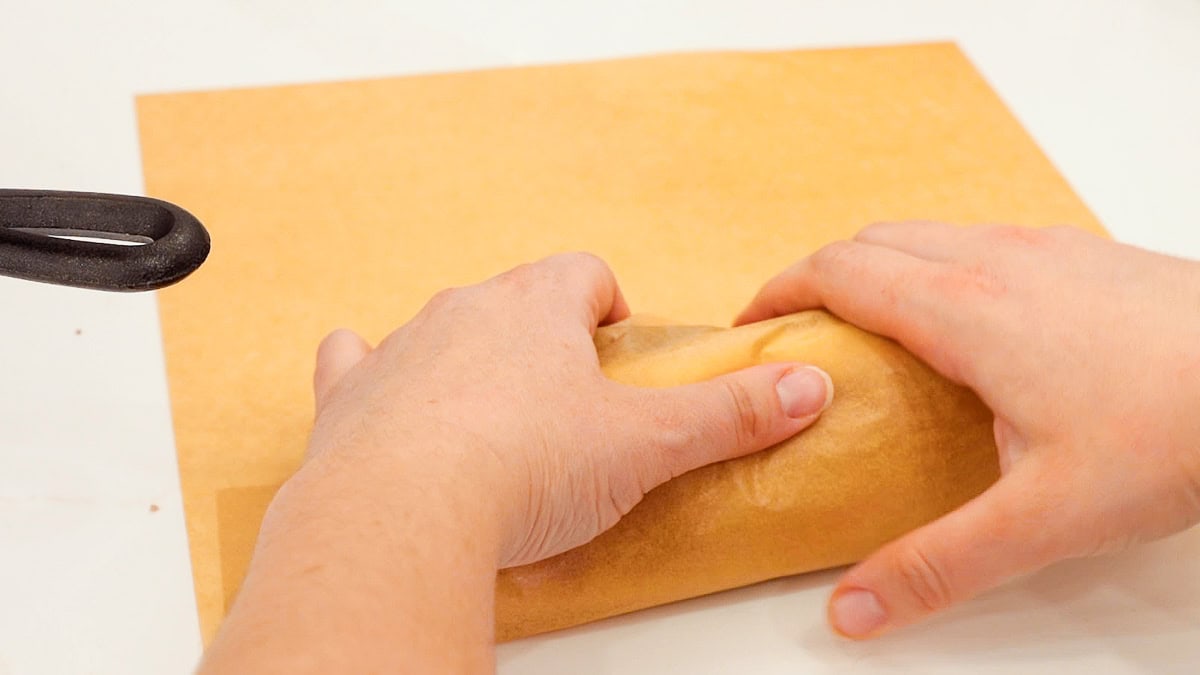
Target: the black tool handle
(171, 242)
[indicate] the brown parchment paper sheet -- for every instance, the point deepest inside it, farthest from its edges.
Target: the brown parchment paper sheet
(696, 175)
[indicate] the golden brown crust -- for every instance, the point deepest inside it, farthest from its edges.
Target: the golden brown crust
(898, 447)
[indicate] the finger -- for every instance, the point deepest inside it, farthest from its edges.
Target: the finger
(734, 414)
(1003, 533)
(876, 288)
(928, 240)
(583, 284)
(852, 279)
(340, 351)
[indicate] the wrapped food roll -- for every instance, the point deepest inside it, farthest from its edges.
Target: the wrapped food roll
(899, 447)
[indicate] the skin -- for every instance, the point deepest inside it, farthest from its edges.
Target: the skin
(435, 459)
(1088, 353)
(480, 435)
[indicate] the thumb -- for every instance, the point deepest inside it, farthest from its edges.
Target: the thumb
(340, 351)
(1000, 534)
(739, 413)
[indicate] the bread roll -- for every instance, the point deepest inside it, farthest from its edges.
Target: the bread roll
(899, 447)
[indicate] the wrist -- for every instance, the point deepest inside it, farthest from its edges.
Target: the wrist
(432, 485)
(365, 560)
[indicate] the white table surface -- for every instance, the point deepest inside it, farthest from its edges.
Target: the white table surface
(93, 580)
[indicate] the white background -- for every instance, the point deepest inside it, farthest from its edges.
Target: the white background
(91, 580)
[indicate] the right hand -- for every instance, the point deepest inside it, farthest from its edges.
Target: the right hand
(1088, 353)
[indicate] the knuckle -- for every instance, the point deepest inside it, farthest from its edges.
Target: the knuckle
(1011, 235)
(687, 438)
(835, 255)
(926, 582)
(972, 280)
(444, 299)
(519, 277)
(579, 266)
(590, 264)
(871, 231)
(676, 440)
(586, 259)
(748, 421)
(576, 261)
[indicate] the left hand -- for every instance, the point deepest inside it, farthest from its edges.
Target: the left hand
(481, 434)
(493, 396)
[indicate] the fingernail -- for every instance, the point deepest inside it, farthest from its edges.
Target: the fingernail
(857, 613)
(804, 392)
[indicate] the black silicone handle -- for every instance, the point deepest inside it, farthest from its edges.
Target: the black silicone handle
(172, 243)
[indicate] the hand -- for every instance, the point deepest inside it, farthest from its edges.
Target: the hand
(1088, 353)
(479, 435)
(496, 392)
